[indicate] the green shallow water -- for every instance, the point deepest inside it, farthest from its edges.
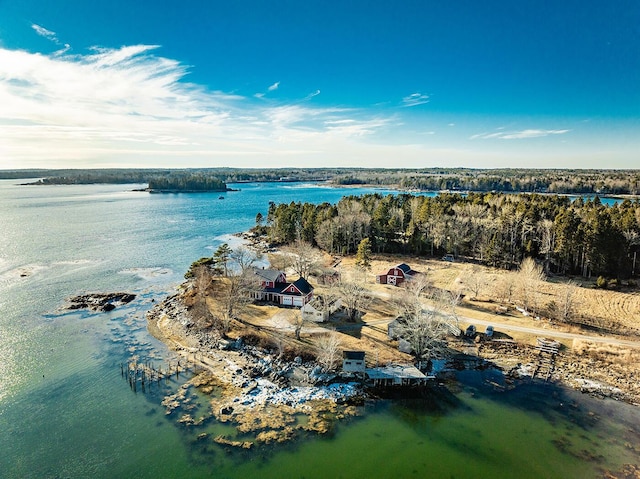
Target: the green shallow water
(66, 412)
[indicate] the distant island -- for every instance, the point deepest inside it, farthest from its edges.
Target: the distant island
(194, 183)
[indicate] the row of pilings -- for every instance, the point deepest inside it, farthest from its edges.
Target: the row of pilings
(143, 376)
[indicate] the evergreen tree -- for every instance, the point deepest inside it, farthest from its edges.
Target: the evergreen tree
(363, 256)
(221, 258)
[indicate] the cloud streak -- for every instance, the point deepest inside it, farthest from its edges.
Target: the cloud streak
(518, 135)
(43, 32)
(415, 99)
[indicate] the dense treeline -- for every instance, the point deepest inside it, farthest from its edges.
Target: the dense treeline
(78, 177)
(601, 182)
(192, 182)
(136, 175)
(579, 237)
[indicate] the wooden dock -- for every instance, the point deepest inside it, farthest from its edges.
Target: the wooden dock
(547, 351)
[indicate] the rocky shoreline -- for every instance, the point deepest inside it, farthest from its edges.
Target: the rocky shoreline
(590, 375)
(262, 395)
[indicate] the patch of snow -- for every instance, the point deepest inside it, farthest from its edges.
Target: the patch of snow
(265, 392)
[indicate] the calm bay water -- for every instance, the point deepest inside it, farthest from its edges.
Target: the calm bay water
(65, 410)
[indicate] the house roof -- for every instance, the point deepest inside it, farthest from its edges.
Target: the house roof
(395, 371)
(268, 274)
(277, 289)
(303, 285)
(353, 355)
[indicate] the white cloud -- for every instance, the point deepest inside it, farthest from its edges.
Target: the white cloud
(415, 99)
(274, 87)
(517, 135)
(130, 105)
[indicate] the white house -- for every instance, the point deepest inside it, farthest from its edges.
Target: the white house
(316, 311)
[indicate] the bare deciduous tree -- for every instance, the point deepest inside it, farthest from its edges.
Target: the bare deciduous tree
(355, 298)
(232, 294)
(302, 257)
(202, 282)
(326, 235)
(475, 281)
(547, 241)
(418, 285)
(506, 288)
(426, 327)
(294, 316)
(244, 258)
(329, 350)
(566, 304)
(528, 280)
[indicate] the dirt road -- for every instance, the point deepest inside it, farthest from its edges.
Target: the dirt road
(551, 333)
(503, 326)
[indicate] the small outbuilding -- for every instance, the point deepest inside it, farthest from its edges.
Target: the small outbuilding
(317, 311)
(396, 375)
(353, 362)
(396, 275)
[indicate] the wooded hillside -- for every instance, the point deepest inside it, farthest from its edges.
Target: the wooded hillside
(579, 237)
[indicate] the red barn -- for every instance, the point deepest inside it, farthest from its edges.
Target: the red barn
(396, 275)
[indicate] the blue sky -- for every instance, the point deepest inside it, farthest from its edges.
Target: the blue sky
(319, 83)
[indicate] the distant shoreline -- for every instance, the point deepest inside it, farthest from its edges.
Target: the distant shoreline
(154, 190)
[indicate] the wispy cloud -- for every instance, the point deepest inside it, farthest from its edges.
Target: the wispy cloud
(415, 99)
(49, 35)
(43, 32)
(270, 88)
(129, 104)
(517, 135)
(311, 95)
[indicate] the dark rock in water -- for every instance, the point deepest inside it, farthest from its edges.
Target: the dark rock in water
(100, 301)
(109, 307)
(127, 298)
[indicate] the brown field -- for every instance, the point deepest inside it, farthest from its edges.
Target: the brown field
(611, 310)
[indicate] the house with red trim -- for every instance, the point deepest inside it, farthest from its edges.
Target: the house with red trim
(396, 275)
(275, 288)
